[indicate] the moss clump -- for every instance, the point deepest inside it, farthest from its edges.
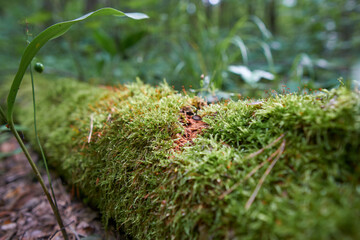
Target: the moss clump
(129, 168)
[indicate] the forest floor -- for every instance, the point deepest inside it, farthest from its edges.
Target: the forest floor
(25, 212)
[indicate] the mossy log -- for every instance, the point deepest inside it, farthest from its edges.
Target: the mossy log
(162, 165)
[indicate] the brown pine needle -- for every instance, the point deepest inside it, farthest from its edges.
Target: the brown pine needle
(236, 185)
(263, 149)
(262, 179)
(261, 165)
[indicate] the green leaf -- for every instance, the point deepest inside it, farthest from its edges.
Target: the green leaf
(241, 45)
(261, 25)
(105, 41)
(48, 34)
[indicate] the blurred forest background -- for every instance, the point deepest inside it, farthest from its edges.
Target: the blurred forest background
(240, 46)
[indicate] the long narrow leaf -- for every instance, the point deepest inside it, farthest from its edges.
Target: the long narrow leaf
(243, 49)
(267, 53)
(263, 29)
(48, 34)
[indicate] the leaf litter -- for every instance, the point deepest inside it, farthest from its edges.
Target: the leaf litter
(192, 126)
(25, 212)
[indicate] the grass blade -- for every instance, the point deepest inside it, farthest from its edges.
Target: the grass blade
(261, 25)
(48, 34)
(268, 55)
(243, 49)
(34, 46)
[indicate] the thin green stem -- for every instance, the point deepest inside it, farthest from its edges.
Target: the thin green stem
(52, 200)
(39, 178)
(38, 141)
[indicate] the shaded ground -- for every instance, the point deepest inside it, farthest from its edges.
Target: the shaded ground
(25, 212)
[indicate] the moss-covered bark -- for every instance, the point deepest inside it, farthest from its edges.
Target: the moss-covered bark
(129, 168)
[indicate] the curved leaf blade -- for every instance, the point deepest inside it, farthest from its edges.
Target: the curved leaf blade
(48, 34)
(243, 49)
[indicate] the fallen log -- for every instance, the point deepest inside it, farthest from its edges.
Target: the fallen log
(162, 165)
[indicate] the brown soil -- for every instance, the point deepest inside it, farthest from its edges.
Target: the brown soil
(192, 124)
(25, 212)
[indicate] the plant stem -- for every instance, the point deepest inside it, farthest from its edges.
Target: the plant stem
(42, 151)
(38, 140)
(39, 178)
(37, 174)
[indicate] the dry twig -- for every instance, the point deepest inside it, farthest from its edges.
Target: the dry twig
(262, 179)
(236, 185)
(263, 149)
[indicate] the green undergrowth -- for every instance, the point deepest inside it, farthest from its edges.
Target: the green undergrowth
(308, 144)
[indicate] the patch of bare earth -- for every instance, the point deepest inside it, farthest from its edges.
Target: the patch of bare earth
(192, 125)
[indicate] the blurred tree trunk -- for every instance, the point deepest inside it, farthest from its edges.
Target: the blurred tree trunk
(47, 6)
(271, 15)
(347, 25)
(90, 5)
(251, 7)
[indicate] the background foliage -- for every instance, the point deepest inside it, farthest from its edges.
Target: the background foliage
(239, 46)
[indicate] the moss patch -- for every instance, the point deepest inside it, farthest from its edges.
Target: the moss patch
(131, 167)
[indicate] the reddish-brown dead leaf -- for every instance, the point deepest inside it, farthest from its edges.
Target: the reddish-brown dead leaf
(193, 126)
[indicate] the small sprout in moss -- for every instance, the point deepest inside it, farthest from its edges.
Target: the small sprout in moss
(341, 81)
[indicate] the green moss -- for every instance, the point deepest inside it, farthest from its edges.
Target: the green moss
(130, 170)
